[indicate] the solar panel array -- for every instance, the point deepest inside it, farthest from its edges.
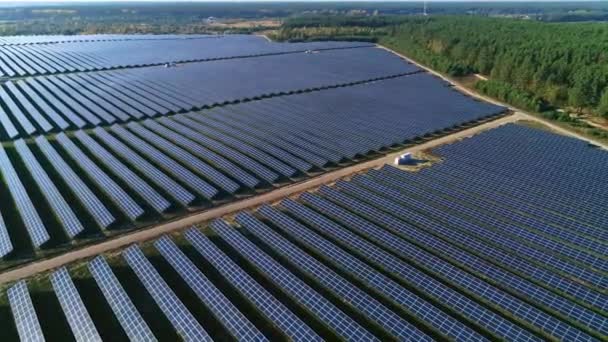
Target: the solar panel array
(389, 254)
(153, 167)
(53, 39)
(93, 98)
(23, 57)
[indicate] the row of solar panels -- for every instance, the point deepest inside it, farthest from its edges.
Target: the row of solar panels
(56, 103)
(54, 39)
(173, 162)
(41, 59)
(365, 259)
(589, 196)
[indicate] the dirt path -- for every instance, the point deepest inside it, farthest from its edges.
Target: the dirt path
(230, 208)
(526, 115)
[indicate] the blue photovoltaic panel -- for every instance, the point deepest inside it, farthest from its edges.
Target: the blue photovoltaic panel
(103, 181)
(29, 107)
(24, 313)
(257, 168)
(178, 192)
(457, 276)
(449, 326)
(168, 164)
(202, 152)
(6, 246)
(58, 204)
(333, 317)
(275, 311)
(71, 109)
(25, 207)
(73, 308)
(46, 109)
(131, 321)
(345, 290)
(425, 311)
(87, 198)
(182, 320)
(235, 143)
(236, 323)
(151, 196)
(7, 124)
(16, 112)
(186, 157)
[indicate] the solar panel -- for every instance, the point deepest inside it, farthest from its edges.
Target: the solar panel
(186, 157)
(148, 107)
(41, 84)
(55, 200)
(7, 124)
(151, 196)
(459, 278)
(75, 312)
(444, 294)
(73, 89)
(247, 149)
(333, 317)
(217, 160)
(236, 323)
(166, 163)
(29, 107)
(96, 101)
(6, 246)
(257, 168)
(182, 320)
(342, 288)
(270, 307)
(99, 177)
(124, 310)
(25, 208)
(16, 112)
(178, 192)
(90, 201)
(24, 313)
(46, 109)
(523, 249)
(124, 103)
(507, 224)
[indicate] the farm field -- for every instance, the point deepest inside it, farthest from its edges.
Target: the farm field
(496, 240)
(91, 154)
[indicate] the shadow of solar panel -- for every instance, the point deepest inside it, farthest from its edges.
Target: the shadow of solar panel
(182, 320)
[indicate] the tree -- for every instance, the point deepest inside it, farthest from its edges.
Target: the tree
(603, 106)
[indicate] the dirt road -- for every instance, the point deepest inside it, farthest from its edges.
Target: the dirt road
(230, 208)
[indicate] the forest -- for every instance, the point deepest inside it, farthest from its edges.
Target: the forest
(531, 64)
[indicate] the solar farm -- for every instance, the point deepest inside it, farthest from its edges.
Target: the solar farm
(493, 236)
(90, 152)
